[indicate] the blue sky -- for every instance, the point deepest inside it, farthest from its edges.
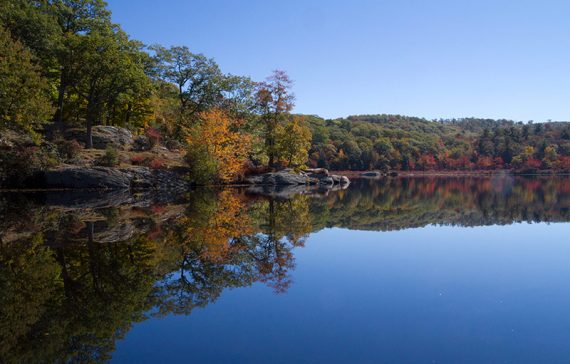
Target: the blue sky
(430, 58)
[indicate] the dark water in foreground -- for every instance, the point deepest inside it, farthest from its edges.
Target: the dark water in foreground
(419, 270)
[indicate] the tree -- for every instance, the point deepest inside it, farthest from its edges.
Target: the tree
(24, 100)
(550, 156)
(32, 23)
(517, 161)
(293, 142)
(76, 19)
(111, 68)
(217, 150)
(484, 162)
(528, 152)
(201, 85)
(198, 80)
(427, 162)
(274, 102)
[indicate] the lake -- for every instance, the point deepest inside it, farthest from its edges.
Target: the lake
(399, 270)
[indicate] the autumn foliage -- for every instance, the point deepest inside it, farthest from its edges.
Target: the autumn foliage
(217, 150)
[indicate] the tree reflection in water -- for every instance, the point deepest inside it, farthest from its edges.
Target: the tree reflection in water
(74, 276)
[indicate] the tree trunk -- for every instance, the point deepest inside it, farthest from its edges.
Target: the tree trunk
(89, 134)
(91, 115)
(60, 100)
(128, 115)
(270, 143)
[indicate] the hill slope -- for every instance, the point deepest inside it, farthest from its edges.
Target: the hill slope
(399, 142)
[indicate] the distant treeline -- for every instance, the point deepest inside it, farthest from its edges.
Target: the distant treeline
(395, 142)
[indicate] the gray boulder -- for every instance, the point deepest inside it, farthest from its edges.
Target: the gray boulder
(327, 181)
(281, 178)
(136, 178)
(141, 143)
(325, 177)
(371, 174)
(319, 176)
(87, 178)
(104, 136)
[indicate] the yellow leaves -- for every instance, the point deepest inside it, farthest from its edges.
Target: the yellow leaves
(293, 142)
(218, 135)
(528, 151)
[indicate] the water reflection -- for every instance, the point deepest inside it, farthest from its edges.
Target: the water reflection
(78, 269)
(401, 203)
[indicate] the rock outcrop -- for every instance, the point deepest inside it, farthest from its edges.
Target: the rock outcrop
(87, 178)
(371, 174)
(288, 177)
(281, 178)
(326, 178)
(135, 178)
(104, 136)
(377, 174)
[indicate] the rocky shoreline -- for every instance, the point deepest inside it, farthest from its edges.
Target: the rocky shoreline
(83, 172)
(139, 178)
(133, 178)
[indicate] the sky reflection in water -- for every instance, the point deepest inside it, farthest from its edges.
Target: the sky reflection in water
(436, 294)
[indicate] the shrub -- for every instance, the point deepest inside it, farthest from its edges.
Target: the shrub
(250, 169)
(153, 136)
(203, 168)
(20, 163)
(156, 163)
(109, 159)
(173, 145)
(139, 159)
(68, 149)
(148, 161)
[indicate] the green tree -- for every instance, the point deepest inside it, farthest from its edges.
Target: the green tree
(111, 68)
(32, 23)
(76, 20)
(24, 101)
(198, 80)
(274, 101)
(200, 86)
(293, 142)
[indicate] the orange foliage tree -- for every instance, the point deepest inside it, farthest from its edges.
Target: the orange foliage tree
(217, 149)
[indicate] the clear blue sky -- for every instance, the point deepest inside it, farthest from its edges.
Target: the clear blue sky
(430, 58)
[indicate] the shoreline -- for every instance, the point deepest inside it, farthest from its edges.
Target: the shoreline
(480, 173)
(348, 174)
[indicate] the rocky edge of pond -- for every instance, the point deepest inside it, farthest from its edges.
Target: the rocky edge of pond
(133, 178)
(316, 176)
(141, 178)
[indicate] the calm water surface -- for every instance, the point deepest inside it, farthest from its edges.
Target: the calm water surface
(418, 270)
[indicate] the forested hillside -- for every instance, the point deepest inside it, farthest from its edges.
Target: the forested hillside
(395, 142)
